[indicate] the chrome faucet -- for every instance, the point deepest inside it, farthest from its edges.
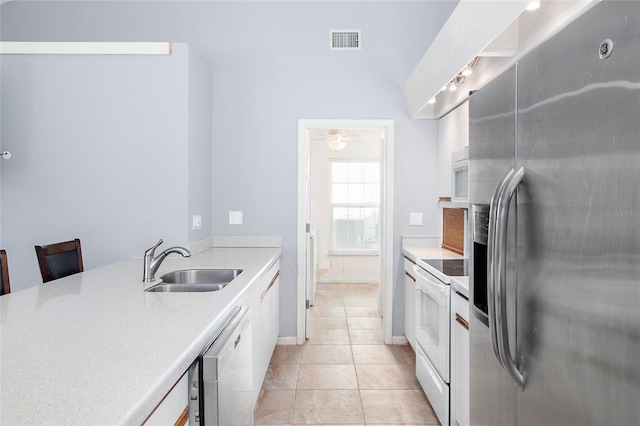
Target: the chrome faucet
(151, 264)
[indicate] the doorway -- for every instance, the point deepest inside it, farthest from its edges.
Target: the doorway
(365, 242)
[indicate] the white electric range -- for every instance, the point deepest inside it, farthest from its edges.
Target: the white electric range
(433, 328)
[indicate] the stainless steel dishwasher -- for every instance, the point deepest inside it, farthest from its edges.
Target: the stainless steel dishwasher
(221, 380)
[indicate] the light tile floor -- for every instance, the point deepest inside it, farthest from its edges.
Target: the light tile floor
(343, 374)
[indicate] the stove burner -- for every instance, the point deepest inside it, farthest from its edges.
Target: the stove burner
(450, 267)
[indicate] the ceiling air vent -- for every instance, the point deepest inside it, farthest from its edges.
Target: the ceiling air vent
(345, 39)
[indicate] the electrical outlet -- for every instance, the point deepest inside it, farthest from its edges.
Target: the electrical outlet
(415, 219)
(235, 218)
(196, 222)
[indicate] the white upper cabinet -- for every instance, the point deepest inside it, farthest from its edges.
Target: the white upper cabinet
(84, 48)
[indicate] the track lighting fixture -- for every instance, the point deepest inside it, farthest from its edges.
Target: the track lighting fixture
(458, 80)
(534, 5)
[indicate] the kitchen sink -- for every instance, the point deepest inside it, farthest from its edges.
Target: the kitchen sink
(183, 288)
(195, 280)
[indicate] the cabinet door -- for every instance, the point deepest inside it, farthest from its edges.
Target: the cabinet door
(409, 295)
(174, 407)
(264, 303)
(270, 320)
(256, 337)
(460, 367)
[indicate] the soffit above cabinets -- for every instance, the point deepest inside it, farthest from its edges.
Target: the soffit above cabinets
(497, 32)
(84, 48)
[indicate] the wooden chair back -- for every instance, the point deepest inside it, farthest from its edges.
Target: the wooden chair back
(5, 287)
(59, 259)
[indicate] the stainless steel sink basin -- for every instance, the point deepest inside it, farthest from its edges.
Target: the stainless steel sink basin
(195, 280)
(201, 276)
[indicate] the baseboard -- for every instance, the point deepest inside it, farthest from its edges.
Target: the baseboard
(287, 340)
(399, 340)
(395, 340)
(348, 281)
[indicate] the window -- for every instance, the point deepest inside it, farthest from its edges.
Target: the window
(355, 205)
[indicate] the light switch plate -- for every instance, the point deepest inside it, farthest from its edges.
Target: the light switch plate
(235, 218)
(196, 221)
(415, 219)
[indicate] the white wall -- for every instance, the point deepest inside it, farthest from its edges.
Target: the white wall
(453, 135)
(100, 150)
(332, 268)
(271, 66)
(200, 155)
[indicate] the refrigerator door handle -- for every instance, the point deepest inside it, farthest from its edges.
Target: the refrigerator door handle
(500, 275)
(492, 259)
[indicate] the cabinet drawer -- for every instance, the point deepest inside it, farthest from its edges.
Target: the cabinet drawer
(436, 390)
(408, 266)
(461, 306)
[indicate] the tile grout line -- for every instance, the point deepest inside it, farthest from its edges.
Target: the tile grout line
(364, 418)
(295, 387)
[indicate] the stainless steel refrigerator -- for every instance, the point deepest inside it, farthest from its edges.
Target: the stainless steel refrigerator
(554, 175)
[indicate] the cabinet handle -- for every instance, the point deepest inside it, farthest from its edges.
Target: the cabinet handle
(184, 418)
(462, 295)
(410, 276)
(463, 322)
(273, 281)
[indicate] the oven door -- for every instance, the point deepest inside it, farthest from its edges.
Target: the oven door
(433, 309)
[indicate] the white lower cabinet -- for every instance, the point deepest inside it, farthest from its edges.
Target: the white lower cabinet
(269, 322)
(460, 361)
(174, 407)
(264, 303)
(409, 296)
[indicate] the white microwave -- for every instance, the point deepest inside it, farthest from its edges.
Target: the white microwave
(460, 175)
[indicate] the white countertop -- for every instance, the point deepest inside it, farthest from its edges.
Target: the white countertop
(95, 348)
(416, 253)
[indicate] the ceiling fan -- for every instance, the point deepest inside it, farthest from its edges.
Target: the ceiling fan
(336, 139)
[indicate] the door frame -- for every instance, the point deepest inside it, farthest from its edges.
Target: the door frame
(386, 222)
